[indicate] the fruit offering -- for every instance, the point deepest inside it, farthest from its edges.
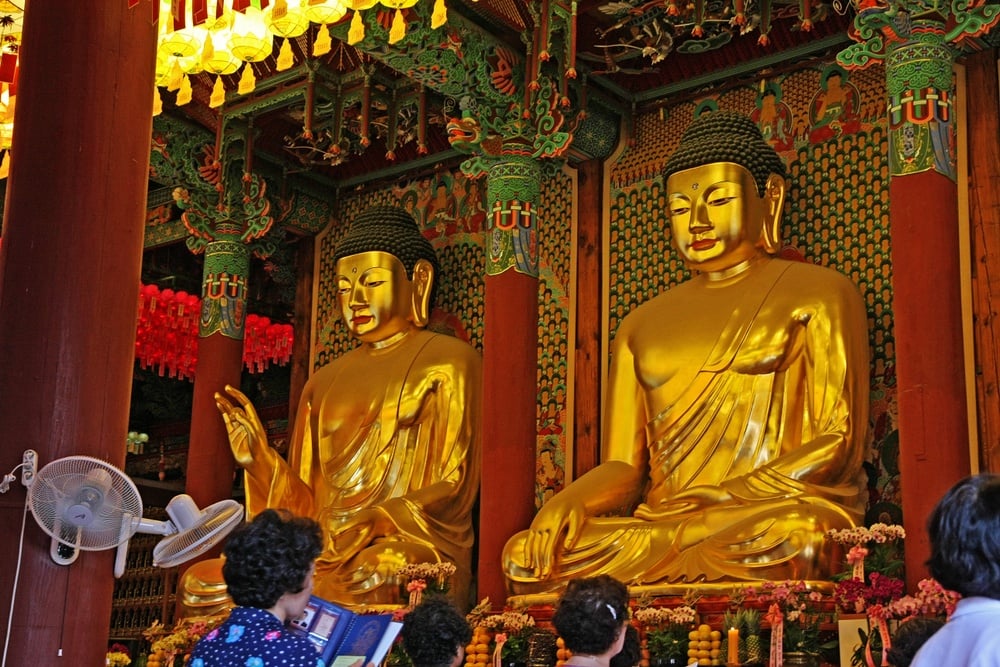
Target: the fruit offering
(704, 645)
(562, 653)
(477, 652)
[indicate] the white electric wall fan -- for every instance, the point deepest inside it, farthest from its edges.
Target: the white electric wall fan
(84, 503)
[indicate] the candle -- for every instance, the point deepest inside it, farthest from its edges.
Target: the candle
(734, 647)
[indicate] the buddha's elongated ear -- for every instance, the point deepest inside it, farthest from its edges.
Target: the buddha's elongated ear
(774, 206)
(423, 284)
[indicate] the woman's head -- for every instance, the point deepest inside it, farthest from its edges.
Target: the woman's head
(964, 530)
(269, 557)
(631, 652)
(909, 637)
(434, 633)
(592, 614)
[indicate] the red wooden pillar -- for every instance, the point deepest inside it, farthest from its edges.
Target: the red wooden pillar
(69, 282)
(210, 464)
(510, 365)
(923, 209)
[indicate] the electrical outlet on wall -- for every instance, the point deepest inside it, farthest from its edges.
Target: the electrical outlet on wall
(29, 465)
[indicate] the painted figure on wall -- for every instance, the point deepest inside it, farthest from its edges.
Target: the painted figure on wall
(737, 402)
(834, 111)
(774, 118)
(385, 452)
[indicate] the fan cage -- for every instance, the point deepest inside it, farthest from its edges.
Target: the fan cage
(217, 521)
(56, 488)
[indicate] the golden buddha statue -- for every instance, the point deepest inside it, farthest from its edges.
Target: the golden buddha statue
(385, 452)
(737, 403)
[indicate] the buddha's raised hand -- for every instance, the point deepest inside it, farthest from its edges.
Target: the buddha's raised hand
(247, 437)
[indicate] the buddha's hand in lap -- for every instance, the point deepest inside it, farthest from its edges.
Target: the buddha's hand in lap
(555, 528)
(694, 499)
(247, 437)
(350, 537)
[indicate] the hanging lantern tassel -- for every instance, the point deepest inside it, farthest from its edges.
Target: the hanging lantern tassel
(248, 82)
(175, 78)
(366, 102)
(699, 18)
(185, 92)
(157, 102)
(398, 29)
(805, 14)
(323, 43)
(741, 13)
(285, 57)
(765, 23)
(440, 15)
(357, 30)
(422, 122)
(218, 93)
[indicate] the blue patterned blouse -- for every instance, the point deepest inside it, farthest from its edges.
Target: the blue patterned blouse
(253, 637)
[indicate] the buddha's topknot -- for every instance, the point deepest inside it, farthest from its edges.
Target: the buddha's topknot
(388, 229)
(726, 136)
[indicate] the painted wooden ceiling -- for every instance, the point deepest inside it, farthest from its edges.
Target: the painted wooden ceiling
(633, 54)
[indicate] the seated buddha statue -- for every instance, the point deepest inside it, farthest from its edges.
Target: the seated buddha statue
(385, 450)
(737, 402)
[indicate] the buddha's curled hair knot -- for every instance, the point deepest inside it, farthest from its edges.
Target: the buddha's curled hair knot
(726, 136)
(389, 229)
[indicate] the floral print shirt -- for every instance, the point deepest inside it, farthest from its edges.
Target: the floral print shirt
(253, 637)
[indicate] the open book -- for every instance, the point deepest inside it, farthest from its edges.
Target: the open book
(344, 637)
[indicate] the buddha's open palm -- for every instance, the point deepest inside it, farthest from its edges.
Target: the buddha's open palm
(247, 437)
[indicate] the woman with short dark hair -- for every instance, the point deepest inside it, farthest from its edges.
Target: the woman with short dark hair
(964, 530)
(269, 573)
(591, 618)
(435, 633)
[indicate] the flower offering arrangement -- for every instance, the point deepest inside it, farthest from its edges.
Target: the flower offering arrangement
(869, 584)
(667, 631)
(794, 613)
(118, 656)
(429, 577)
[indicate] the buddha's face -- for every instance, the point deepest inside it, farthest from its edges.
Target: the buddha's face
(374, 294)
(715, 214)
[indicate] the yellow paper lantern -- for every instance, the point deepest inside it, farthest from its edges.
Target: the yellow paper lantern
(325, 12)
(249, 39)
(286, 18)
(216, 57)
(186, 42)
(183, 43)
(398, 4)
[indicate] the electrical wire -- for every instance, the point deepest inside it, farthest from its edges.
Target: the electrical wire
(17, 575)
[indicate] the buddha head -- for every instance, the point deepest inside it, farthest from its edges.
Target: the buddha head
(385, 272)
(725, 189)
